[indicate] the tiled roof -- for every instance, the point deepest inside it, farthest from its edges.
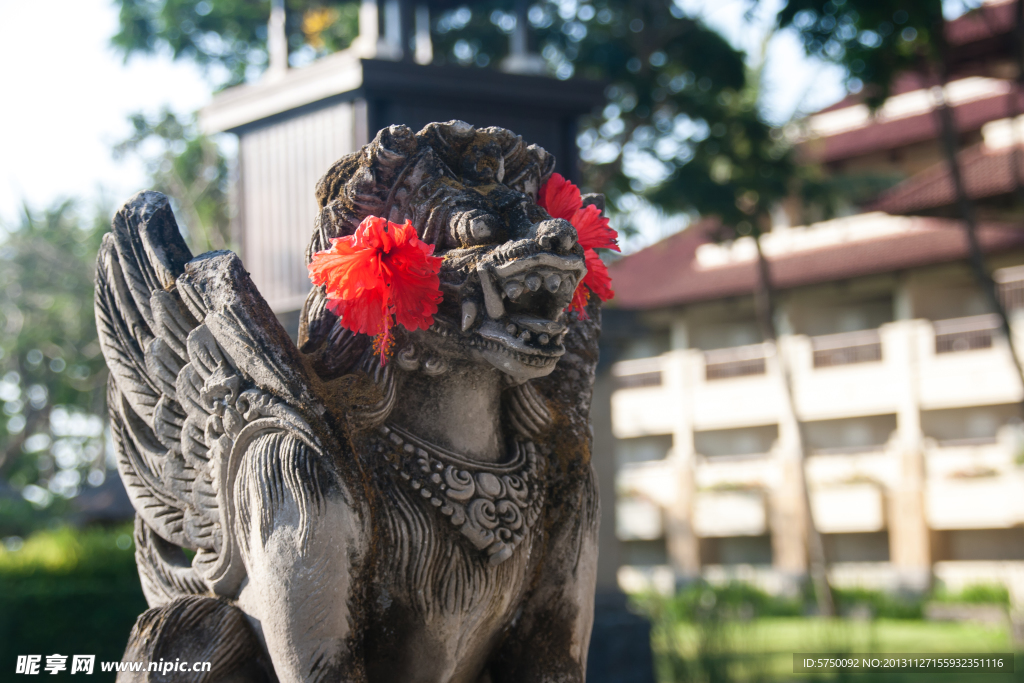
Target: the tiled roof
(970, 116)
(989, 20)
(904, 83)
(667, 273)
(986, 173)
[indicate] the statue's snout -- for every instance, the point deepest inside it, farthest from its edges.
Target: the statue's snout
(556, 235)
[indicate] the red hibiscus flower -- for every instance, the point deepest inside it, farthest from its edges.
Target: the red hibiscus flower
(379, 276)
(562, 199)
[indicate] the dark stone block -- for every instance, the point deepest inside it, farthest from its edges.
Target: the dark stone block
(620, 645)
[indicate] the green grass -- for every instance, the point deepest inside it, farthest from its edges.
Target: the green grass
(737, 634)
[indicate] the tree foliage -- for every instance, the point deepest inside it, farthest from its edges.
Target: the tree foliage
(52, 375)
(874, 41)
(229, 37)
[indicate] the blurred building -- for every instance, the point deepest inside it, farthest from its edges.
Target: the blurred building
(906, 397)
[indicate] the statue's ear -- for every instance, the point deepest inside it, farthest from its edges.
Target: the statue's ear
(594, 199)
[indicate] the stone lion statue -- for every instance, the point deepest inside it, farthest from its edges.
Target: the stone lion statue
(307, 514)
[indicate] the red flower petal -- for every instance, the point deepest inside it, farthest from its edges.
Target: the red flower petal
(559, 197)
(597, 279)
(415, 286)
(378, 276)
(562, 199)
(593, 230)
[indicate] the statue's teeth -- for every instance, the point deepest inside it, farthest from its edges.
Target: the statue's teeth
(511, 329)
(533, 282)
(469, 312)
(553, 282)
(525, 336)
(513, 290)
(543, 339)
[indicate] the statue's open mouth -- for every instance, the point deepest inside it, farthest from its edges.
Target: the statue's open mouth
(524, 301)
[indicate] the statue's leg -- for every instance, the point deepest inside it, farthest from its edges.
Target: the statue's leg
(549, 641)
(188, 633)
(301, 538)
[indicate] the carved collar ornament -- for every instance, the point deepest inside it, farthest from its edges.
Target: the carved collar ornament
(562, 199)
(493, 505)
(380, 275)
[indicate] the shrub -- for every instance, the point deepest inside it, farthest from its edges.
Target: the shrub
(69, 592)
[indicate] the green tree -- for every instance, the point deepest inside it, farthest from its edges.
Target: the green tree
(52, 375)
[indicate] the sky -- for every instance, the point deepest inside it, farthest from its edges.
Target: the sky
(793, 84)
(66, 99)
(67, 95)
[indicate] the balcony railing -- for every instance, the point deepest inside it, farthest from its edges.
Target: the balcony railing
(965, 334)
(846, 348)
(738, 361)
(634, 374)
(1010, 284)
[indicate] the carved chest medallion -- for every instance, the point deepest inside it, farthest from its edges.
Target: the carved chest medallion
(491, 504)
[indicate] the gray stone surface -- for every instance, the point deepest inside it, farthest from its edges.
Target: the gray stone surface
(432, 520)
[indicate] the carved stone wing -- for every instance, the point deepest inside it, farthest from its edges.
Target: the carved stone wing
(200, 368)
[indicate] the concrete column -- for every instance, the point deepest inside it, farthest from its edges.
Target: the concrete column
(679, 334)
(909, 536)
(522, 57)
(681, 540)
(424, 45)
(277, 41)
(903, 300)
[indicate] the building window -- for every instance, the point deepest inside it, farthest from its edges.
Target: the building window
(644, 553)
(1010, 283)
(740, 361)
(978, 544)
(849, 435)
(635, 374)
(846, 348)
(857, 547)
(731, 550)
(642, 449)
(967, 426)
(965, 334)
(741, 441)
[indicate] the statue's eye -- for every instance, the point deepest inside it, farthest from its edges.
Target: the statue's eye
(476, 226)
